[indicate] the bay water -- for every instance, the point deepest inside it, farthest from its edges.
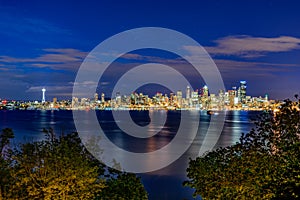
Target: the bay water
(165, 183)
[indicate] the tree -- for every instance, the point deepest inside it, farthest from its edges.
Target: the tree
(264, 164)
(62, 168)
(54, 169)
(124, 186)
(5, 136)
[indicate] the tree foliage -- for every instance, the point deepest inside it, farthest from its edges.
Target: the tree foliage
(5, 178)
(124, 187)
(5, 136)
(264, 164)
(54, 169)
(62, 168)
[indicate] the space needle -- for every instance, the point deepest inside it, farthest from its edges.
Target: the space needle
(43, 99)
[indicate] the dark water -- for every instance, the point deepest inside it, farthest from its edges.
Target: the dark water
(162, 184)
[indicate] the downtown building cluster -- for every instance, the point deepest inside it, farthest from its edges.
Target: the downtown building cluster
(202, 99)
(233, 99)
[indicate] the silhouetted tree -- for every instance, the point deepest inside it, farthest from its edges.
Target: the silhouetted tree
(264, 164)
(5, 136)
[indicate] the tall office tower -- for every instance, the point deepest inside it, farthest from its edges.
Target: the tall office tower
(54, 101)
(231, 94)
(204, 98)
(75, 102)
(266, 97)
(96, 97)
(234, 89)
(171, 98)
(188, 92)
(179, 98)
(221, 93)
(166, 99)
(146, 99)
(102, 98)
(133, 99)
(141, 98)
(205, 91)
(179, 94)
(242, 91)
(221, 98)
(43, 99)
(195, 99)
(118, 98)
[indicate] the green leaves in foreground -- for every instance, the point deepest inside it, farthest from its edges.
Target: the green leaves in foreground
(124, 187)
(61, 168)
(264, 164)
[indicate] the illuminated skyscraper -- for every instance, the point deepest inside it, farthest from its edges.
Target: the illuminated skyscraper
(204, 98)
(54, 101)
(234, 89)
(102, 98)
(266, 97)
(133, 99)
(188, 92)
(96, 97)
(118, 98)
(232, 96)
(171, 98)
(221, 99)
(43, 99)
(195, 99)
(179, 94)
(205, 91)
(179, 97)
(75, 102)
(242, 91)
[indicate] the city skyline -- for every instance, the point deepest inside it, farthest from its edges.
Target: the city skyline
(235, 98)
(44, 43)
(188, 93)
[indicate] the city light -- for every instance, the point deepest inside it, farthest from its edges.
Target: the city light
(235, 98)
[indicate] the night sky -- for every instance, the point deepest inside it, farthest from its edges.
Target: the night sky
(43, 43)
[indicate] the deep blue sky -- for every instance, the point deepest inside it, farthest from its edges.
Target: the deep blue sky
(42, 43)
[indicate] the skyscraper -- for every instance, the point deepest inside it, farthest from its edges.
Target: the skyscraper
(204, 98)
(102, 97)
(179, 98)
(232, 96)
(205, 91)
(188, 92)
(54, 100)
(96, 97)
(171, 98)
(221, 99)
(179, 94)
(118, 98)
(194, 98)
(242, 91)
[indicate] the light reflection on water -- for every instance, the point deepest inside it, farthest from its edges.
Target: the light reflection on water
(161, 184)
